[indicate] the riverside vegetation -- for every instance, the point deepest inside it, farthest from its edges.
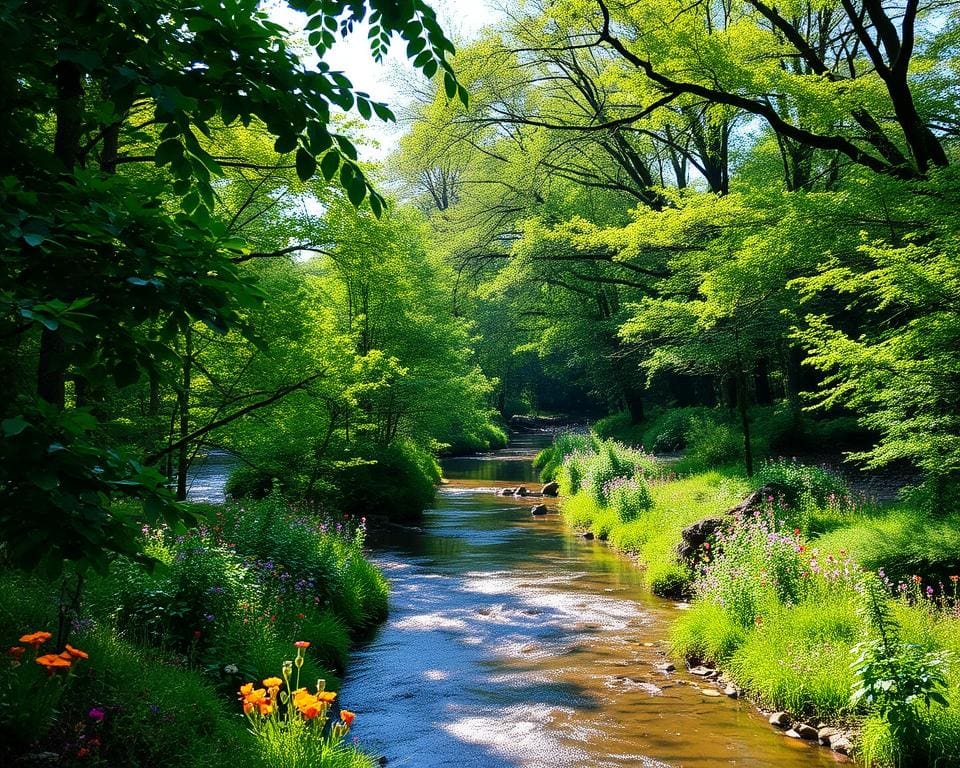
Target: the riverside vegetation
(813, 600)
(723, 228)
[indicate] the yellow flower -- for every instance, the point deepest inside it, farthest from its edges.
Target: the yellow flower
(272, 682)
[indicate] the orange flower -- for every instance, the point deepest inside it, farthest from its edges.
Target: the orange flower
(347, 716)
(245, 690)
(311, 712)
(265, 707)
(36, 639)
(326, 696)
(16, 651)
(76, 653)
(273, 682)
(298, 644)
(53, 660)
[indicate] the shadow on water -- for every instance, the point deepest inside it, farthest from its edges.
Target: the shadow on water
(513, 643)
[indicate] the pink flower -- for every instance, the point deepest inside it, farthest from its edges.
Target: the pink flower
(96, 714)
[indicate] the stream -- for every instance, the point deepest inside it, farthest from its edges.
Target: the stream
(513, 642)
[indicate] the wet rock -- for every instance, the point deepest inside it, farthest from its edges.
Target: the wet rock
(824, 734)
(507, 492)
(666, 667)
(551, 489)
(539, 509)
(732, 692)
(711, 692)
(792, 734)
(588, 535)
(807, 732)
(702, 671)
(780, 720)
(521, 491)
(841, 743)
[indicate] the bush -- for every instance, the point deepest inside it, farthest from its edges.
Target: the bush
(711, 444)
(398, 481)
(572, 473)
(612, 462)
(550, 460)
(804, 484)
(620, 427)
(630, 498)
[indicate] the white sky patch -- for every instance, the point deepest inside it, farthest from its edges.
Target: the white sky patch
(389, 81)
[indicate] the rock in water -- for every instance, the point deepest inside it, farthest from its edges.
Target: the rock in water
(551, 489)
(588, 535)
(824, 735)
(521, 491)
(780, 720)
(807, 732)
(539, 509)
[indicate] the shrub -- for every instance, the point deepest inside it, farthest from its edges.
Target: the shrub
(550, 460)
(802, 483)
(711, 444)
(630, 498)
(614, 461)
(398, 481)
(572, 473)
(620, 427)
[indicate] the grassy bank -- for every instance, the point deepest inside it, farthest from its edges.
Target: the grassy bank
(169, 647)
(804, 600)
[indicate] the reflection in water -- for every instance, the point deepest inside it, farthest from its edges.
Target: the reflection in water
(512, 643)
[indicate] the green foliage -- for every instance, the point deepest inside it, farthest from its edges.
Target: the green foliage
(803, 483)
(896, 679)
(550, 460)
(613, 462)
(397, 482)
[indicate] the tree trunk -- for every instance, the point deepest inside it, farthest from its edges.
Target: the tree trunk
(183, 402)
(744, 420)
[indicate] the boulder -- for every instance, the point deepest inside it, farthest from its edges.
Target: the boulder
(551, 489)
(521, 491)
(588, 535)
(792, 734)
(732, 692)
(780, 720)
(712, 692)
(694, 536)
(841, 743)
(824, 735)
(807, 732)
(539, 509)
(667, 667)
(702, 671)
(508, 492)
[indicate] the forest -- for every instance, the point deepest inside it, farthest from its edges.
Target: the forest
(723, 233)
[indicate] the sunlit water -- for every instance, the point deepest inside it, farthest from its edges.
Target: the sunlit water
(511, 642)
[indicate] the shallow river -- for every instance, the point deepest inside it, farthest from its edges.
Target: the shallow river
(512, 642)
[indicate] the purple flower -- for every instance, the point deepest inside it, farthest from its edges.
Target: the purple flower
(96, 714)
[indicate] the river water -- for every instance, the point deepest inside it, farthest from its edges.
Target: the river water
(512, 642)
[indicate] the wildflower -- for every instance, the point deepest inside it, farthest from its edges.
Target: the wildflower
(929, 591)
(272, 682)
(36, 639)
(302, 644)
(82, 752)
(245, 690)
(955, 578)
(76, 653)
(347, 716)
(16, 651)
(917, 579)
(53, 661)
(96, 714)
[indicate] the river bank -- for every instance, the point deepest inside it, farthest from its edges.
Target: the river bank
(784, 595)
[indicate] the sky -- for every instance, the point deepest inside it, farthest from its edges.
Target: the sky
(462, 20)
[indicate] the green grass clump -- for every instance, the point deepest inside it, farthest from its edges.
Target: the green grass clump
(706, 632)
(798, 658)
